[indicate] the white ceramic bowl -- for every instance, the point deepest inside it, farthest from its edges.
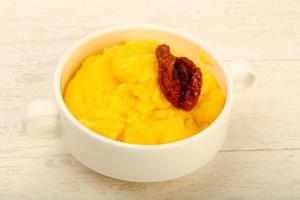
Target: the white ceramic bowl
(130, 162)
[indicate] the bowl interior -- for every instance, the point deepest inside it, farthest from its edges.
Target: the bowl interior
(180, 44)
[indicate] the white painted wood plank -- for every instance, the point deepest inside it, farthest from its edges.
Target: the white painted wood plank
(259, 29)
(267, 116)
(49, 173)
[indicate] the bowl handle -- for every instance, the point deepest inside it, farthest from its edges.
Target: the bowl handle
(243, 75)
(40, 118)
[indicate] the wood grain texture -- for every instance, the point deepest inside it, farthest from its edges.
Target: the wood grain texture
(261, 155)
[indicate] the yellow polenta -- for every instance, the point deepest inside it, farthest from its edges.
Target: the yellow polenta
(117, 95)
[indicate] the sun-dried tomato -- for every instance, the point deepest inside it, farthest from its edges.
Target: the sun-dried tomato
(179, 78)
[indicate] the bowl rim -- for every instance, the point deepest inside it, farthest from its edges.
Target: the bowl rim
(61, 104)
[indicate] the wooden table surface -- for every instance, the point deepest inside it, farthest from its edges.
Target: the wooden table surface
(261, 156)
